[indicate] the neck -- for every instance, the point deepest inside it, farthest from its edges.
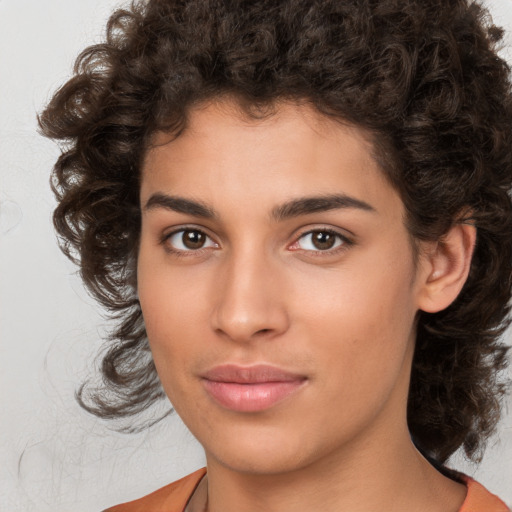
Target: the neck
(391, 476)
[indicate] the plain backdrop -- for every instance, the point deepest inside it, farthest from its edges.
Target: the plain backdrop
(54, 456)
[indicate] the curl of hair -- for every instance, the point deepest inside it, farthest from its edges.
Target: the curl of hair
(421, 76)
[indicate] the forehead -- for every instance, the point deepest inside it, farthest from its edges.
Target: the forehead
(294, 150)
(221, 117)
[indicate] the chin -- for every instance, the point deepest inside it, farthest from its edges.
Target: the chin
(260, 453)
(262, 462)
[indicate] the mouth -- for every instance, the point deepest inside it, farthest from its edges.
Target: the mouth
(250, 389)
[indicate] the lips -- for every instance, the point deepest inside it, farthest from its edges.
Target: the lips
(250, 389)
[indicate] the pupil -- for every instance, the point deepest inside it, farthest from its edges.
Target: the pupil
(323, 240)
(193, 239)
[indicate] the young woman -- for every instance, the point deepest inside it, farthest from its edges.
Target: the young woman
(299, 214)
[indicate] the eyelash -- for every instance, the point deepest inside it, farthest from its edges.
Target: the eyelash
(344, 244)
(181, 252)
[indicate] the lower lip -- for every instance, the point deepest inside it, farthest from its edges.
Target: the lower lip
(251, 397)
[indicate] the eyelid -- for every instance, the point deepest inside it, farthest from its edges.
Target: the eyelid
(164, 240)
(346, 240)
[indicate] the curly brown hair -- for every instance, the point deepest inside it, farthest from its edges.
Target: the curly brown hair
(422, 76)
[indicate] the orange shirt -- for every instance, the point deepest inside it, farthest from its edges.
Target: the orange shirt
(174, 497)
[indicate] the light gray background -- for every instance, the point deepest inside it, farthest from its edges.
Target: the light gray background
(53, 456)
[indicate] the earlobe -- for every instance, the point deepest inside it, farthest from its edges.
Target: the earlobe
(446, 267)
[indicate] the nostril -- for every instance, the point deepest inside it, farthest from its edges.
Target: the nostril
(242, 319)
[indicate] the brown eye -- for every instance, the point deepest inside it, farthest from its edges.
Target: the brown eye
(193, 239)
(320, 240)
(186, 240)
(323, 240)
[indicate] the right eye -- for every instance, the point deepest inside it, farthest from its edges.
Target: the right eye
(186, 240)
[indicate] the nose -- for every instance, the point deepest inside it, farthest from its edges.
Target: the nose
(251, 301)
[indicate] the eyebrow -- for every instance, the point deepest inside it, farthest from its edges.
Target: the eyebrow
(290, 209)
(180, 205)
(308, 205)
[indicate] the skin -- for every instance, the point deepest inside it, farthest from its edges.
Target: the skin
(259, 291)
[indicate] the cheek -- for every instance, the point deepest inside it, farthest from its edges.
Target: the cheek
(361, 321)
(372, 293)
(168, 327)
(168, 301)
(168, 293)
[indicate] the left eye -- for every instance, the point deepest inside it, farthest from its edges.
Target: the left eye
(189, 240)
(319, 240)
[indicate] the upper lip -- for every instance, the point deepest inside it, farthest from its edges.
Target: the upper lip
(255, 374)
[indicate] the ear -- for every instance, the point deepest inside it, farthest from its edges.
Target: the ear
(445, 267)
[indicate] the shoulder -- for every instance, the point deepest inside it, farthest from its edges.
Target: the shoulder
(171, 498)
(479, 499)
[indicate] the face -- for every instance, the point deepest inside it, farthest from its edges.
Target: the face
(278, 287)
